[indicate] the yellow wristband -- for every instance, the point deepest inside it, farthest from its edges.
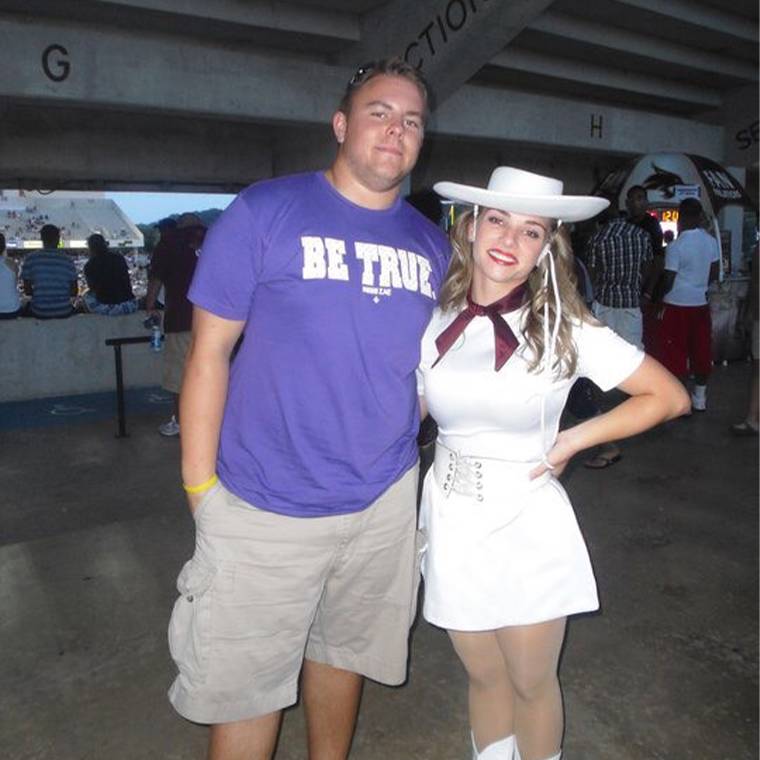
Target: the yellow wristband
(203, 486)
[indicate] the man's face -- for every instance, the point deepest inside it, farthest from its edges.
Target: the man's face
(381, 136)
(636, 203)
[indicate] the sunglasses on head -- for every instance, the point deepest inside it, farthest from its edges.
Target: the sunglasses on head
(361, 73)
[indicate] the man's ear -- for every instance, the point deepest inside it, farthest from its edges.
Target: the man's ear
(339, 124)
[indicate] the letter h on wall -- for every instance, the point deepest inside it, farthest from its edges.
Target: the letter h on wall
(597, 125)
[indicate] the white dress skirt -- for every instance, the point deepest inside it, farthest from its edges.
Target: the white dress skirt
(503, 550)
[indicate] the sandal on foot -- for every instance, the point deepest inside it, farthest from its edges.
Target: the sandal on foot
(745, 428)
(601, 461)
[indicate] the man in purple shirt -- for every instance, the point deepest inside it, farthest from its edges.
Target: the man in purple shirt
(299, 457)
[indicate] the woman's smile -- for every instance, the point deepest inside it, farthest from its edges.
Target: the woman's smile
(501, 257)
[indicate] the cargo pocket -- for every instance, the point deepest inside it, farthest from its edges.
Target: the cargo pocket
(420, 547)
(205, 501)
(190, 624)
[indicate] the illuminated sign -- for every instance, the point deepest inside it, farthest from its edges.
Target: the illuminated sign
(668, 215)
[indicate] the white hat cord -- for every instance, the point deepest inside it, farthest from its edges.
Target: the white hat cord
(550, 340)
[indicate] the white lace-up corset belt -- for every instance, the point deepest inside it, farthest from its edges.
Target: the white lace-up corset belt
(483, 478)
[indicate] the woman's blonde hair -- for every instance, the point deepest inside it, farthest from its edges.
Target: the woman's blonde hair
(454, 292)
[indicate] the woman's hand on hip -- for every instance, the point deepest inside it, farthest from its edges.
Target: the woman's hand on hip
(558, 457)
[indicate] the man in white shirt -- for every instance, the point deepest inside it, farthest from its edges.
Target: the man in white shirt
(691, 264)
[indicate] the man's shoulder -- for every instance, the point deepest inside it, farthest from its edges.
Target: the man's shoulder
(110, 261)
(275, 188)
(423, 225)
(615, 228)
(709, 242)
(705, 235)
(649, 222)
(45, 257)
(634, 232)
(694, 236)
(631, 227)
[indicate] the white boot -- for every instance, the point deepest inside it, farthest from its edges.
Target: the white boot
(699, 398)
(553, 757)
(500, 750)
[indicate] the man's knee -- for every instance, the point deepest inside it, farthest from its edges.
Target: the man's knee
(252, 739)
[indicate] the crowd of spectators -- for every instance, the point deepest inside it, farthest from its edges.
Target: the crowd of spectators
(52, 282)
(75, 219)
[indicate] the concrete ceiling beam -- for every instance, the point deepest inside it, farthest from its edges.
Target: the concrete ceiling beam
(487, 113)
(116, 71)
(254, 15)
(604, 76)
(89, 149)
(158, 72)
(262, 14)
(707, 16)
(645, 46)
(449, 40)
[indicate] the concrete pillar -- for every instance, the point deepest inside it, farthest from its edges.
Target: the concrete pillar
(731, 219)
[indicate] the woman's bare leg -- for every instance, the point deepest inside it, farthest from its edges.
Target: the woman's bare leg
(531, 654)
(490, 693)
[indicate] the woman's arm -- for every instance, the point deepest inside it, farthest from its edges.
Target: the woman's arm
(203, 396)
(655, 396)
(423, 408)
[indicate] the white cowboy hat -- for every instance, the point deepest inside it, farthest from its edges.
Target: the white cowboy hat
(511, 189)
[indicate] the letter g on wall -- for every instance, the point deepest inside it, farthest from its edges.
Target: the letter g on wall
(55, 64)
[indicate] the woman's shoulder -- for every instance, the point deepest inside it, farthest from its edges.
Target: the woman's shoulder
(594, 339)
(584, 322)
(439, 319)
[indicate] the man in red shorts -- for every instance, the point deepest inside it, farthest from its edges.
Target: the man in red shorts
(691, 264)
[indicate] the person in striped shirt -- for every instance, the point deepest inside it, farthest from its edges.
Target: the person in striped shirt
(50, 278)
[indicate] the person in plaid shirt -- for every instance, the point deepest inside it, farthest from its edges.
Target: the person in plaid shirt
(619, 254)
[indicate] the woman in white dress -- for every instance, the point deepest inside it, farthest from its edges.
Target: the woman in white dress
(506, 563)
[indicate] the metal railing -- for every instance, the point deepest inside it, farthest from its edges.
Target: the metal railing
(117, 343)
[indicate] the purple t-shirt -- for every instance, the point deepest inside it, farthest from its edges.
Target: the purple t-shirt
(321, 414)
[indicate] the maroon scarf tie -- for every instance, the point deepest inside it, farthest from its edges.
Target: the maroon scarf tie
(505, 340)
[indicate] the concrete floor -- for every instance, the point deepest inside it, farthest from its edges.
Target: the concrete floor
(93, 531)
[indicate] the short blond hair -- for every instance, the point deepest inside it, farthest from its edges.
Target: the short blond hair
(393, 67)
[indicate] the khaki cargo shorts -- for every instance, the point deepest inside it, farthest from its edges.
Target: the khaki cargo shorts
(262, 591)
(176, 346)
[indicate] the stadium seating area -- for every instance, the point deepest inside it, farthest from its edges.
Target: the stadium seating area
(22, 215)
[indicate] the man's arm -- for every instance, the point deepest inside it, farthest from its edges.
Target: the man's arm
(203, 396)
(74, 286)
(28, 286)
(671, 267)
(592, 261)
(714, 272)
(648, 265)
(655, 236)
(156, 276)
(669, 277)
(154, 286)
